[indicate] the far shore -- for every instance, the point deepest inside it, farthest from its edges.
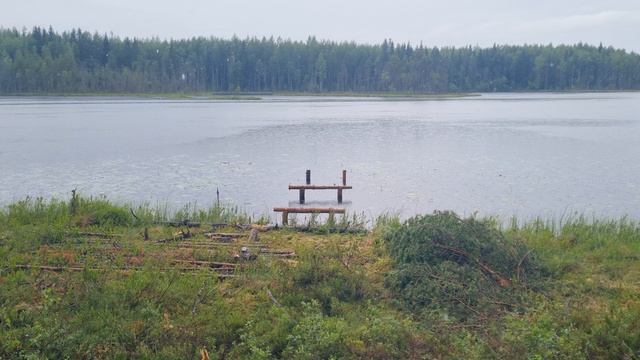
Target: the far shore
(247, 95)
(257, 96)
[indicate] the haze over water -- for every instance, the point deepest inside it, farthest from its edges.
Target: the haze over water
(548, 155)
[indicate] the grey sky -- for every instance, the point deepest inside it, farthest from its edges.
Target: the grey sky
(441, 22)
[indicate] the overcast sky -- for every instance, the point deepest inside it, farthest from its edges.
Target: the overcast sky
(442, 22)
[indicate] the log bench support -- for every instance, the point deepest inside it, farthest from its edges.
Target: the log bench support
(285, 212)
(301, 188)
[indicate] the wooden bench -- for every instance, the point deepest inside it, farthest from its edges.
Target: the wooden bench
(302, 189)
(285, 212)
(308, 186)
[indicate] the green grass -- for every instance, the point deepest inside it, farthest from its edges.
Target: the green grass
(130, 300)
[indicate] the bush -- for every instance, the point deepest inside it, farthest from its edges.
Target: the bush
(463, 267)
(99, 211)
(265, 335)
(383, 336)
(326, 280)
(317, 336)
(541, 334)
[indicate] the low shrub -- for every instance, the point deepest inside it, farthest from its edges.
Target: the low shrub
(317, 336)
(465, 268)
(101, 212)
(325, 280)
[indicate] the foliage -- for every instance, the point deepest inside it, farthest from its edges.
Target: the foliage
(44, 61)
(317, 336)
(464, 267)
(327, 281)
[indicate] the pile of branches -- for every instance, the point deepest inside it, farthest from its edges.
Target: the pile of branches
(464, 268)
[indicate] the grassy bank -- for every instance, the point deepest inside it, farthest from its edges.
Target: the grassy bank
(106, 280)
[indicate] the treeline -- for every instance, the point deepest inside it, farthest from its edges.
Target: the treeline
(45, 61)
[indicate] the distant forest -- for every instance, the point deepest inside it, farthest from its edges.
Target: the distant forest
(45, 61)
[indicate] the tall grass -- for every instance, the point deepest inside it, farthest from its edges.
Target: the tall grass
(215, 213)
(99, 211)
(581, 241)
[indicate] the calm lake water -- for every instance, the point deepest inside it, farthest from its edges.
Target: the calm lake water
(526, 155)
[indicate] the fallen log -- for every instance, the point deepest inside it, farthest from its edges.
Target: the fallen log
(279, 253)
(92, 234)
(216, 244)
(220, 234)
(180, 235)
(120, 270)
(208, 263)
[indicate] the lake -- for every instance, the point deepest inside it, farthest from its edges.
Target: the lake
(549, 155)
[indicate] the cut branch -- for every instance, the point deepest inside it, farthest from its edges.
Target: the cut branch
(501, 280)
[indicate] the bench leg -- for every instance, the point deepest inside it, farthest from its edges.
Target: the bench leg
(339, 196)
(331, 219)
(301, 196)
(285, 218)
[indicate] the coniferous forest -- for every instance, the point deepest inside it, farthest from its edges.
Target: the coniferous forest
(46, 61)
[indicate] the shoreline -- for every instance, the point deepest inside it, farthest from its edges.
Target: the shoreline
(249, 96)
(86, 266)
(192, 211)
(259, 96)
